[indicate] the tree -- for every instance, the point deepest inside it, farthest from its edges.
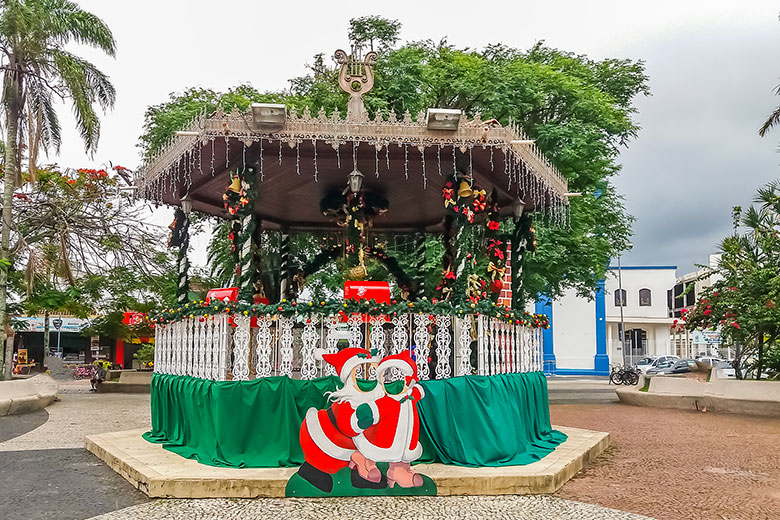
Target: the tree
(85, 248)
(367, 29)
(743, 302)
(37, 67)
(580, 112)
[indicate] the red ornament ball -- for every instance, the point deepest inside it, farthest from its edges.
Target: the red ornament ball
(496, 285)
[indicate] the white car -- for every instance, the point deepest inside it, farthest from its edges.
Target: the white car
(649, 362)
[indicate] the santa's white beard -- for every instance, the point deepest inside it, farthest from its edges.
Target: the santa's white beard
(354, 396)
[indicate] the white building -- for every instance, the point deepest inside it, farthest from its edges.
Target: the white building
(583, 338)
(685, 293)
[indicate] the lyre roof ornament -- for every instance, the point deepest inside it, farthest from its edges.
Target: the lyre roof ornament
(356, 77)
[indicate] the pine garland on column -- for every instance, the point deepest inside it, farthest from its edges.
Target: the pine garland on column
(257, 248)
(420, 267)
(247, 267)
(284, 268)
(180, 237)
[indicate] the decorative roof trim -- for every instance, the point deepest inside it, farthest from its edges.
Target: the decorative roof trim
(336, 131)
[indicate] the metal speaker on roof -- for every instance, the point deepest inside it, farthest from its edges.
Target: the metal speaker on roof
(443, 119)
(266, 116)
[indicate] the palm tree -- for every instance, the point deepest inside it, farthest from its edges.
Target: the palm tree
(36, 68)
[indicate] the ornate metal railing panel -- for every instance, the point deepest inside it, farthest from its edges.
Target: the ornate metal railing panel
(222, 347)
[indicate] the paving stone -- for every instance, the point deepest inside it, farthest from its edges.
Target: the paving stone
(537, 507)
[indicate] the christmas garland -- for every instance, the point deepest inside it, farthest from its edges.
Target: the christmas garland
(290, 308)
(479, 202)
(406, 284)
(495, 251)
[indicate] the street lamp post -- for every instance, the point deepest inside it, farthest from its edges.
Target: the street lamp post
(57, 322)
(622, 335)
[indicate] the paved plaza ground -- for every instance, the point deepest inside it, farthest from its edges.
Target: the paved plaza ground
(664, 464)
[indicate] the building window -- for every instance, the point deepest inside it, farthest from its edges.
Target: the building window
(690, 297)
(620, 298)
(679, 299)
(644, 298)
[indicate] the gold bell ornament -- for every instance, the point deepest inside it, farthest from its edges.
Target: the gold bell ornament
(464, 190)
(235, 186)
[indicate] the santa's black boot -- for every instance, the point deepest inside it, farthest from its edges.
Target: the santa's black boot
(361, 483)
(317, 478)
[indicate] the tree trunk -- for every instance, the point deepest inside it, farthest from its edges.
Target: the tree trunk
(46, 333)
(737, 363)
(11, 101)
(761, 349)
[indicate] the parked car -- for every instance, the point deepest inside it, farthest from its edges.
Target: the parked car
(654, 362)
(681, 366)
(661, 365)
(705, 363)
(726, 370)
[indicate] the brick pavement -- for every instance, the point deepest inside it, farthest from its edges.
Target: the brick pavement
(673, 464)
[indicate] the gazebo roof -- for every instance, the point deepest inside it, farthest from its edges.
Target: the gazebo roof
(308, 156)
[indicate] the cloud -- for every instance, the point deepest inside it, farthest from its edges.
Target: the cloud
(699, 153)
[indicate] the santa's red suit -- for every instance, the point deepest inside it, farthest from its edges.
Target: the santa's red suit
(395, 437)
(327, 435)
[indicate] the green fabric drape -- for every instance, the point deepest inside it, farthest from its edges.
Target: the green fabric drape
(469, 421)
(501, 420)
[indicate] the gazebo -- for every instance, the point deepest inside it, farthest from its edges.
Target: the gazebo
(235, 373)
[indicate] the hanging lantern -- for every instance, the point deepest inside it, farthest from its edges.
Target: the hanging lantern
(355, 181)
(465, 190)
(235, 186)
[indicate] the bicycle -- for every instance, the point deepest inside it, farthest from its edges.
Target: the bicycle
(623, 375)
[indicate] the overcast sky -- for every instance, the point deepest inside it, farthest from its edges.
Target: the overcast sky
(712, 67)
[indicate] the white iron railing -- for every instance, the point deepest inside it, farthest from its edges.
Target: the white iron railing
(222, 347)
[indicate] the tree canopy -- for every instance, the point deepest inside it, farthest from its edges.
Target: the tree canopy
(579, 110)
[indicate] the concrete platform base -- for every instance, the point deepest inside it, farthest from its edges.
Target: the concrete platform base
(687, 401)
(27, 395)
(160, 473)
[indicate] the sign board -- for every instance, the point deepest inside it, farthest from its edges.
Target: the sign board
(57, 322)
(21, 356)
(36, 324)
(706, 337)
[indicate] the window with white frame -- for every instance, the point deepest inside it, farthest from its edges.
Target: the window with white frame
(620, 298)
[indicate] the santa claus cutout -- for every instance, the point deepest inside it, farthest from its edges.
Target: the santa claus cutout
(364, 425)
(395, 437)
(327, 436)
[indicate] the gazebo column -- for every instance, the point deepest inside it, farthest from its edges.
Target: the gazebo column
(419, 251)
(246, 268)
(522, 240)
(257, 243)
(181, 238)
(284, 268)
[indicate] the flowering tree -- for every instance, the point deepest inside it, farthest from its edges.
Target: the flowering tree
(82, 247)
(743, 301)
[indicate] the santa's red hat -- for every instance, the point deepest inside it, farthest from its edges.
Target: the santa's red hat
(346, 360)
(402, 361)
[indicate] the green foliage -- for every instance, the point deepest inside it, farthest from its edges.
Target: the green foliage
(33, 36)
(162, 120)
(367, 29)
(145, 354)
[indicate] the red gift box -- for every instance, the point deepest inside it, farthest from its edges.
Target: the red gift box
(377, 291)
(231, 293)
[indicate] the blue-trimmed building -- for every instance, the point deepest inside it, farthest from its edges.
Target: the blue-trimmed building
(583, 338)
